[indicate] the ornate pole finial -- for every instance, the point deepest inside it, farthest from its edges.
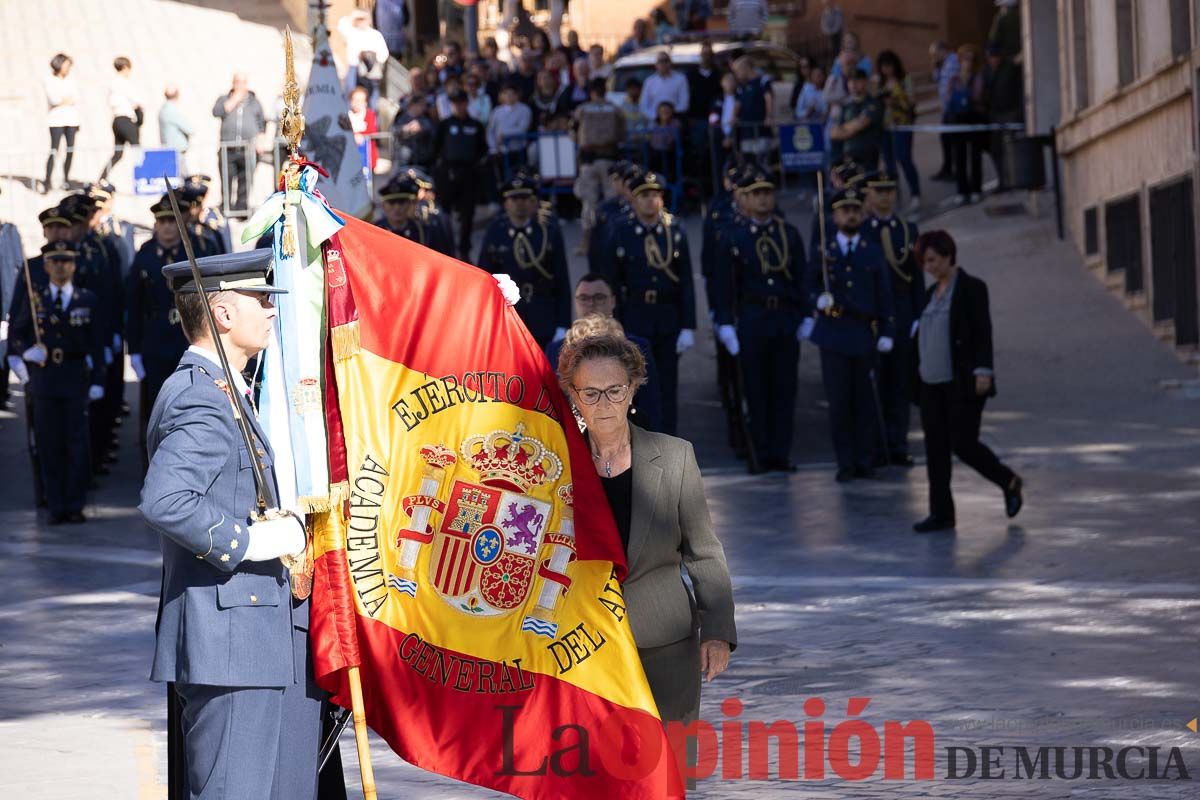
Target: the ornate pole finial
(291, 120)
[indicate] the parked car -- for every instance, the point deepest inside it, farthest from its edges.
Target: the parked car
(779, 63)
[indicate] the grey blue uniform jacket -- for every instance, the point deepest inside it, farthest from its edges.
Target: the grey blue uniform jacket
(223, 621)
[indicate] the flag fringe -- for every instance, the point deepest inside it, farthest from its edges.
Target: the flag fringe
(345, 341)
(313, 504)
(338, 493)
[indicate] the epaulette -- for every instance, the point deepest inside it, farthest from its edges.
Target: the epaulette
(667, 218)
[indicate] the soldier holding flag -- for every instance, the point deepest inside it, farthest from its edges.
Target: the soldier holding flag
(240, 663)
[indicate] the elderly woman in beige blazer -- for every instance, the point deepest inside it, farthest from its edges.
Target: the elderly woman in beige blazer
(653, 485)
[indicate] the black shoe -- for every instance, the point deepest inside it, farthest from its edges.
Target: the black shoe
(844, 475)
(942, 177)
(757, 469)
(901, 460)
(76, 518)
(879, 461)
(57, 519)
(932, 523)
(1013, 500)
(780, 465)
(864, 472)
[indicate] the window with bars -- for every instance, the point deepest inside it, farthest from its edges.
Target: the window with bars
(1173, 259)
(1091, 231)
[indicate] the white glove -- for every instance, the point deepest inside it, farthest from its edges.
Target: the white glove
(687, 338)
(274, 538)
(108, 356)
(913, 330)
(4, 331)
(885, 344)
(728, 336)
(36, 355)
(116, 342)
(139, 369)
(508, 288)
(17, 366)
(560, 334)
(824, 301)
(95, 393)
(806, 328)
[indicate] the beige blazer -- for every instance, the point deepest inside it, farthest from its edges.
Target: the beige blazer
(670, 526)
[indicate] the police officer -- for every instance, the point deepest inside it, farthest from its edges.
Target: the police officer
(719, 223)
(205, 240)
(896, 238)
(860, 130)
(844, 174)
(760, 303)
(57, 348)
(230, 636)
(107, 226)
(623, 176)
(850, 290)
(402, 215)
(430, 210)
(152, 330)
(526, 243)
(460, 146)
(98, 269)
(651, 266)
(210, 216)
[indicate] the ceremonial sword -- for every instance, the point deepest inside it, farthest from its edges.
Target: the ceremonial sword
(264, 489)
(821, 227)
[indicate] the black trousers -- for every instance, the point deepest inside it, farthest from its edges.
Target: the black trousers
(458, 192)
(951, 424)
(125, 132)
(968, 155)
(659, 324)
(947, 167)
(234, 164)
(853, 420)
(770, 353)
(57, 135)
(61, 429)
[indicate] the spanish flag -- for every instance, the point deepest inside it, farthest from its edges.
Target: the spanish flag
(473, 569)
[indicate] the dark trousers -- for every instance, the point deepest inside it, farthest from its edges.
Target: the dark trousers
(897, 149)
(947, 167)
(31, 441)
(458, 192)
(769, 356)
(968, 155)
(57, 135)
(234, 164)
(659, 323)
(61, 431)
(125, 132)
(730, 393)
(852, 415)
(895, 392)
(951, 424)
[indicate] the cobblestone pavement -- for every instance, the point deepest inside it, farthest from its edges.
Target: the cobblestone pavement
(1074, 625)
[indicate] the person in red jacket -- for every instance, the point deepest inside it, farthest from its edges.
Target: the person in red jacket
(364, 124)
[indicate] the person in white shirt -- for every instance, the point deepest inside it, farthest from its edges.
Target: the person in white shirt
(62, 115)
(366, 52)
(810, 105)
(666, 85)
(126, 111)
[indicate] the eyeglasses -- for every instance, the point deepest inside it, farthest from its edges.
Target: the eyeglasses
(615, 394)
(592, 299)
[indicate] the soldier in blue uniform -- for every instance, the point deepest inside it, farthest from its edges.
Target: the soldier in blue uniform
(719, 223)
(205, 240)
(402, 215)
(854, 320)
(152, 330)
(651, 266)
(65, 371)
(230, 635)
(609, 210)
(98, 268)
(526, 243)
(210, 217)
(896, 238)
(844, 174)
(107, 226)
(760, 304)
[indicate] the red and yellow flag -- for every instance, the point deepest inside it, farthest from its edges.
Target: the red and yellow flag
(473, 571)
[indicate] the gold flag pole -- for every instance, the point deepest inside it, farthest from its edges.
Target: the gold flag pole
(291, 127)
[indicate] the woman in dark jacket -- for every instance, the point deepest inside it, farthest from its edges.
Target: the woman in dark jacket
(955, 378)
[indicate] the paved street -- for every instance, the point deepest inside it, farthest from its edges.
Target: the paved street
(1075, 626)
